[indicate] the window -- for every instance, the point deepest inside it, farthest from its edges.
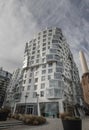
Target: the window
(44, 36)
(37, 61)
(23, 88)
(49, 77)
(38, 37)
(43, 49)
(25, 75)
(42, 93)
(42, 78)
(48, 47)
(34, 44)
(43, 60)
(50, 65)
(50, 71)
(43, 71)
(37, 67)
(53, 83)
(32, 57)
(44, 31)
(24, 81)
(34, 48)
(43, 54)
(57, 75)
(32, 62)
(42, 85)
(35, 87)
(50, 30)
(28, 88)
(33, 52)
(48, 43)
(30, 74)
(50, 34)
(38, 56)
(31, 69)
(44, 66)
(44, 40)
(38, 51)
(36, 80)
(44, 44)
(34, 94)
(60, 70)
(29, 80)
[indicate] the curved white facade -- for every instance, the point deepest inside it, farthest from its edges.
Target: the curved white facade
(50, 72)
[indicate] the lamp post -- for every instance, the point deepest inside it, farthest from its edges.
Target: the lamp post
(38, 109)
(26, 96)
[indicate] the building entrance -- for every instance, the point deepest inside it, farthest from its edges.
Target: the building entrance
(30, 110)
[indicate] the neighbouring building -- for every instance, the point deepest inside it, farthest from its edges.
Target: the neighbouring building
(85, 79)
(14, 89)
(4, 81)
(50, 81)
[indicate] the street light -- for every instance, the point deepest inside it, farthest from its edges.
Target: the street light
(26, 96)
(38, 109)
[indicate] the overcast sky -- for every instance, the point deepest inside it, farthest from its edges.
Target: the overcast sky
(21, 19)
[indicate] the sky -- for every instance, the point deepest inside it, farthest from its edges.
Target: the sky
(21, 19)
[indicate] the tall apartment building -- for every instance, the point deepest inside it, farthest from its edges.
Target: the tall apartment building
(4, 81)
(50, 76)
(85, 78)
(14, 89)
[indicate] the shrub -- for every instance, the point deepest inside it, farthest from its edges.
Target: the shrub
(4, 113)
(34, 120)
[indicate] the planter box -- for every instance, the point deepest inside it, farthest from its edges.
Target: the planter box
(72, 124)
(3, 116)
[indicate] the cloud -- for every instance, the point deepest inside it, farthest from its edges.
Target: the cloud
(21, 19)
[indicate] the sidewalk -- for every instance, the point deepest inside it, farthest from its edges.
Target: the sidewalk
(52, 124)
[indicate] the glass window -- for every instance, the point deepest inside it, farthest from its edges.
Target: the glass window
(50, 64)
(43, 60)
(50, 34)
(36, 79)
(23, 88)
(43, 49)
(42, 78)
(28, 87)
(44, 40)
(49, 77)
(38, 51)
(37, 61)
(35, 87)
(32, 57)
(29, 80)
(44, 44)
(59, 70)
(42, 93)
(43, 71)
(33, 52)
(44, 66)
(34, 48)
(38, 56)
(44, 36)
(50, 30)
(34, 94)
(57, 75)
(45, 31)
(50, 71)
(53, 83)
(42, 85)
(30, 74)
(24, 81)
(43, 54)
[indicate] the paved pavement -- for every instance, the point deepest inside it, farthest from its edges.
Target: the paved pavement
(52, 124)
